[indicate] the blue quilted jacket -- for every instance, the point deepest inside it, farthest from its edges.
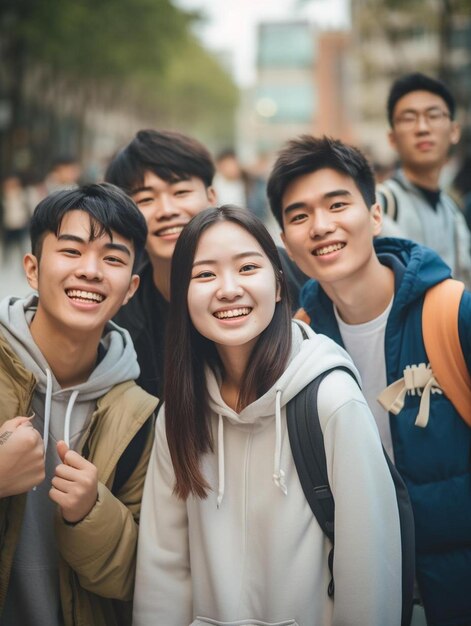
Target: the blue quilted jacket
(435, 461)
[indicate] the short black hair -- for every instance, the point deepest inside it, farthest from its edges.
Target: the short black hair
(109, 209)
(418, 82)
(308, 154)
(170, 155)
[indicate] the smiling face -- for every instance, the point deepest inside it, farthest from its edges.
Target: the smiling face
(233, 291)
(81, 283)
(328, 229)
(422, 131)
(167, 207)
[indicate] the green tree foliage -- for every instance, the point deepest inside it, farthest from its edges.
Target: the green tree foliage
(136, 56)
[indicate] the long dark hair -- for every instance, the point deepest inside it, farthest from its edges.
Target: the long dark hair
(187, 352)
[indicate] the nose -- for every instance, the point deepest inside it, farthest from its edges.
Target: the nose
(165, 208)
(89, 269)
(229, 287)
(422, 124)
(321, 224)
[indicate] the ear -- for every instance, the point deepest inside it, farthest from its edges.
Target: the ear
(392, 138)
(133, 285)
(31, 268)
(278, 292)
(455, 135)
(212, 196)
(376, 216)
(285, 243)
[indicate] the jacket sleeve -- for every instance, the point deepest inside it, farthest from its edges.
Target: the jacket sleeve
(367, 556)
(101, 549)
(163, 593)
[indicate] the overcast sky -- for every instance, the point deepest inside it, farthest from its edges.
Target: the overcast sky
(231, 24)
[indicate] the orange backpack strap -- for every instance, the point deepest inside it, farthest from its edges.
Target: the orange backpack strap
(442, 344)
(303, 316)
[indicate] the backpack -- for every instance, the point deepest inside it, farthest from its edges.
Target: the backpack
(307, 446)
(442, 344)
(390, 204)
(128, 461)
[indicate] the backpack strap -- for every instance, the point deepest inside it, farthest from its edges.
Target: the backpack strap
(129, 460)
(307, 446)
(390, 201)
(442, 344)
(302, 315)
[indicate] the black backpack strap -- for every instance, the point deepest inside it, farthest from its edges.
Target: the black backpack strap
(128, 461)
(407, 526)
(307, 446)
(390, 204)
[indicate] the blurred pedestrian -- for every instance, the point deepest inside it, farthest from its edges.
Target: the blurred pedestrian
(421, 113)
(15, 217)
(237, 185)
(64, 173)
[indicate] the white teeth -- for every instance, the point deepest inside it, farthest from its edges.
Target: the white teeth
(170, 231)
(78, 294)
(328, 249)
(232, 313)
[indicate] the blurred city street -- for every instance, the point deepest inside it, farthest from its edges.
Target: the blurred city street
(12, 279)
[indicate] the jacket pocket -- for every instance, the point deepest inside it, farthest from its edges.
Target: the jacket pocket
(207, 621)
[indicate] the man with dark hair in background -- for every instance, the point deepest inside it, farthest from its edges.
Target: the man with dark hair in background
(421, 113)
(169, 176)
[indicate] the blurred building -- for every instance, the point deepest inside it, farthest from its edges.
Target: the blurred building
(301, 87)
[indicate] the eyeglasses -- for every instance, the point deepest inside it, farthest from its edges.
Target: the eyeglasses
(434, 117)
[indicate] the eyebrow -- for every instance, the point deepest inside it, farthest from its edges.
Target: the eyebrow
(335, 193)
(139, 189)
(434, 107)
(151, 189)
(109, 245)
(235, 257)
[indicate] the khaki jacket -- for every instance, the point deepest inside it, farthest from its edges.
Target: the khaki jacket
(97, 554)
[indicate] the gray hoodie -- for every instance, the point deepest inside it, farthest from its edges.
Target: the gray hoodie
(33, 593)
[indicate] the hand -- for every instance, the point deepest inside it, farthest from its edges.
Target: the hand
(21, 457)
(75, 485)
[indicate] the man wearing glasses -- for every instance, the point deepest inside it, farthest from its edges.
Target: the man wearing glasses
(421, 113)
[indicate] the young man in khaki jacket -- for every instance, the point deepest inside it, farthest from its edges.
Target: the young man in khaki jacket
(69, 407)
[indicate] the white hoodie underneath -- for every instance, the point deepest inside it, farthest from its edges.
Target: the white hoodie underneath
(261, 557)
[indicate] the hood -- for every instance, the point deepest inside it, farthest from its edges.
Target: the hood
(421, 267)
(311, 355)
(117, 363)
(416, 268)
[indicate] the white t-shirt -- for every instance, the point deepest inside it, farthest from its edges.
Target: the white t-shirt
(365, 344)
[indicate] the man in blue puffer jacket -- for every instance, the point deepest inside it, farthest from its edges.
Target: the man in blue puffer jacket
(368, 296)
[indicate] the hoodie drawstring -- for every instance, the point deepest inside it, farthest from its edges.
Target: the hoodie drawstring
(278, 473)
(68, 416)
(220, 461)
(47, 408)
(47, 412)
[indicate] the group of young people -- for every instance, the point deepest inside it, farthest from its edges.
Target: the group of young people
(213, 497)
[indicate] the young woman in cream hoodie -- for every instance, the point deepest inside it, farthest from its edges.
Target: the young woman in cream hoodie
(226, 534)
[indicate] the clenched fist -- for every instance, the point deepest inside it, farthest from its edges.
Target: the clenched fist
(21, 457)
